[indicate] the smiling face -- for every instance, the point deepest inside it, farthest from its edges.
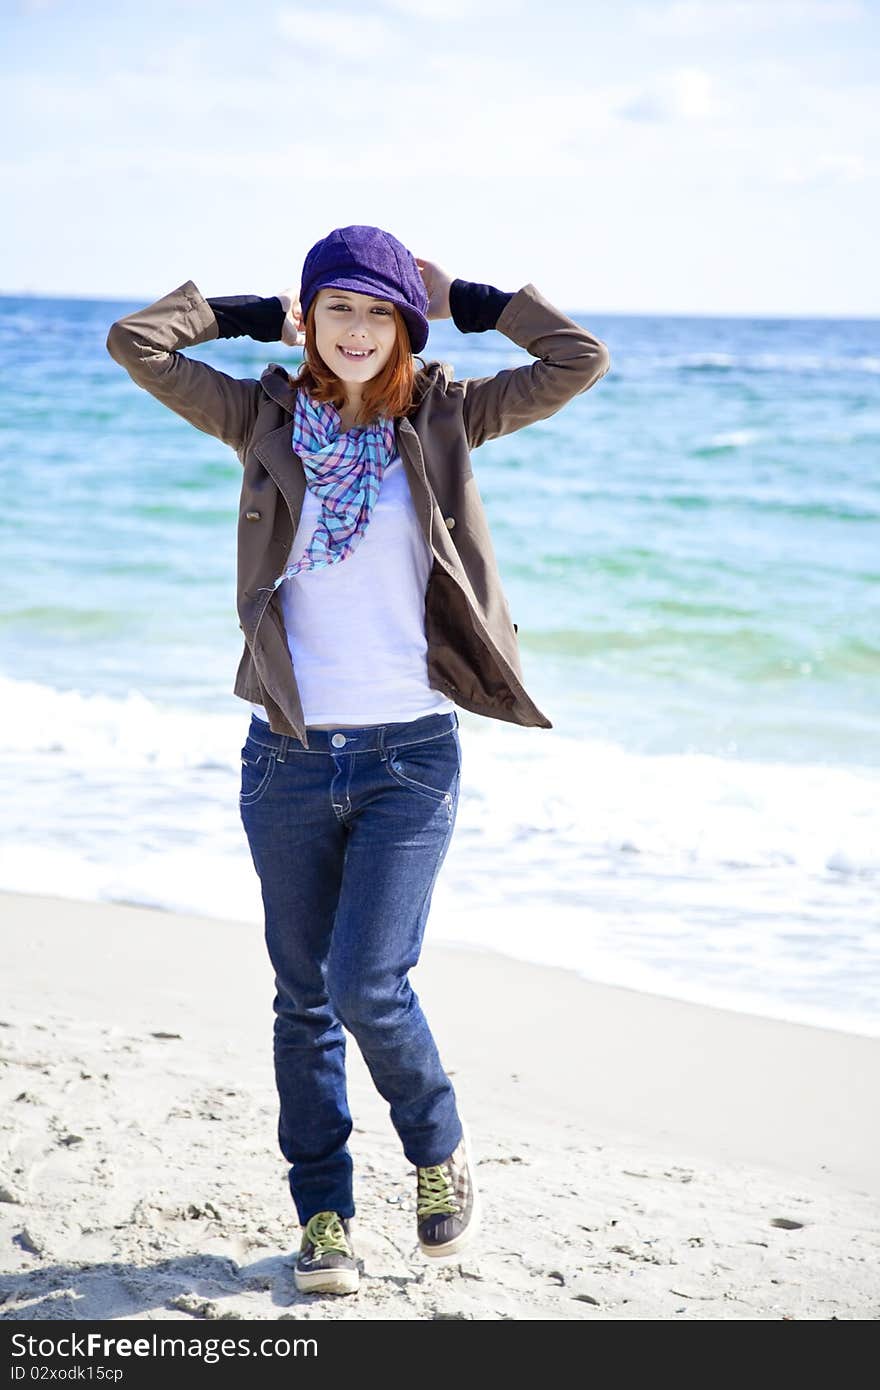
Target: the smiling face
(346, 320)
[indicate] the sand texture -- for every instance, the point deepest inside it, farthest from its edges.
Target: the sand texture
(636, 1157)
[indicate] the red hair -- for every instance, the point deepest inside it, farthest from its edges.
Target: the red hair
(391, 392)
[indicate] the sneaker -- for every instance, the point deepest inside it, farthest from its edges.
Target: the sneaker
(447, 1209)
(326, 1262)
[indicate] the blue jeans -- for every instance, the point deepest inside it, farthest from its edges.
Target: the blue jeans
(347, 838)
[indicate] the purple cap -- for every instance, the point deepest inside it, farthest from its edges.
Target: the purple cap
(369, 261)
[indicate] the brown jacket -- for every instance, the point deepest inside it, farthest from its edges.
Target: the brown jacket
(473, 655)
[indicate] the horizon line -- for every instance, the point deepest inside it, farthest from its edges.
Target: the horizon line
(572, 313)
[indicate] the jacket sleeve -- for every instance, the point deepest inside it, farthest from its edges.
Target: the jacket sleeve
(569, 361)
(147, 344)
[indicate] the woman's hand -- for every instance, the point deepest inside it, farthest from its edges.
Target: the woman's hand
(436, 281)
(293, 331)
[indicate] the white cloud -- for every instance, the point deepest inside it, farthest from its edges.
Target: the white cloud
(687, 94)
(314, 160)
(447, 10)
(828, 169)
(358, 34)
(340, 33)
(693, 18)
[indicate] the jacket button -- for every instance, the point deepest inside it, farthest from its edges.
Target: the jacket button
(253, 516)
(450, 521)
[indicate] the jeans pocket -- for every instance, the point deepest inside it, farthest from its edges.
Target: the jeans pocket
(257, 769)
(431, 767)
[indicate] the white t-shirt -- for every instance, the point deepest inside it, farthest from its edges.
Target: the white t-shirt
(356, 629)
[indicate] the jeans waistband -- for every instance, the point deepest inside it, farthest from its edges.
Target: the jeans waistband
(367, 738)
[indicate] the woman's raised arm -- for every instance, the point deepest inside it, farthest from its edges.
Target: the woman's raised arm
(570, 361)
(570, 358)
(147, 344)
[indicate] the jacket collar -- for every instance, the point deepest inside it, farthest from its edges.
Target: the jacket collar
(277, 384)
(275, 452)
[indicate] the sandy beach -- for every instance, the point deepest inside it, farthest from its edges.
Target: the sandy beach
(638, 1158)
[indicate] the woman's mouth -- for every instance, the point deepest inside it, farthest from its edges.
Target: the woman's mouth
(357, 356)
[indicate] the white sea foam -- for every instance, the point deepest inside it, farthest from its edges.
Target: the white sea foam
(751, 884)
(735, 439)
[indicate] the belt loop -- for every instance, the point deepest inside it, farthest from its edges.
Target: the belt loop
(282, 753)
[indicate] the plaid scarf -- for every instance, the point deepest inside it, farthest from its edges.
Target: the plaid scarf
(345, 471)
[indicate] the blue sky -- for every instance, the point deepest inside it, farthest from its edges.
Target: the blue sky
(679, 156)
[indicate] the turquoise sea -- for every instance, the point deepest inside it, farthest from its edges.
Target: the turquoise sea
(691, 551)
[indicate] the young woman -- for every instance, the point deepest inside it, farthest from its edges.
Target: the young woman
(371, 606)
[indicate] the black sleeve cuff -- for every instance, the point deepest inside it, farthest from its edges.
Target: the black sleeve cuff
(249, 316)
(475, 308)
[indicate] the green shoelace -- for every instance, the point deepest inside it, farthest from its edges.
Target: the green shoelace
(436, 1193)
(326, 1232)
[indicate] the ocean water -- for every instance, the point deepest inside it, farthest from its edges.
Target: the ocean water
(691, 551)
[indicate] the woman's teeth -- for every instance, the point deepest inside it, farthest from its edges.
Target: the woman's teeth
(355, 356)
